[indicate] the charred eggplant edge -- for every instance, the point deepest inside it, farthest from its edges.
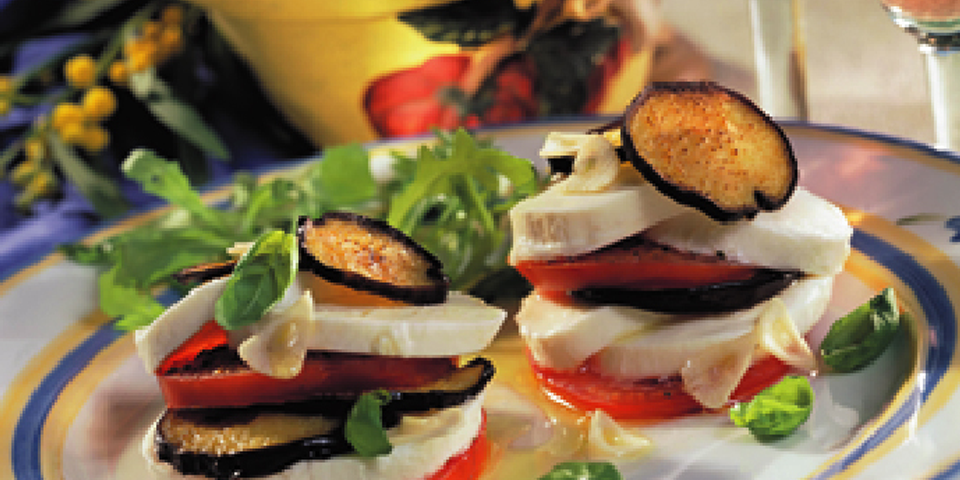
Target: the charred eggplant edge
(716, 298)
(694, 198)
(273, 459)
(420, 295)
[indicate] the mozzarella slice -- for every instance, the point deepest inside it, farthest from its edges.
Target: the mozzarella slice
(178, 323)
(555, 224)
(563, 336)
(808, 234)
(665, 349)
(463, 324)
(421, 445)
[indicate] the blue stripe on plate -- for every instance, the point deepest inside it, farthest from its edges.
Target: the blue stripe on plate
(26, 436)
(942, 333)
(932, 298)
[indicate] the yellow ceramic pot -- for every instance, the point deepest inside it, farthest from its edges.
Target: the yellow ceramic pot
(318, 59)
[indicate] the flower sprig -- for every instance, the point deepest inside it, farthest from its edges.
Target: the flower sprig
(132, 80)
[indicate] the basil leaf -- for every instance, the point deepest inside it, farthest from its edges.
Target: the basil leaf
(583, 471)
(776, 411)
(259, 280)
(857, 339)
(364, 428)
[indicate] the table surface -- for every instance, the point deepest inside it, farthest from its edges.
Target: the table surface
(862, 71)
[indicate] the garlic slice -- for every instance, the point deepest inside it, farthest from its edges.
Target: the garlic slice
(608, 440)
(712, 376)
(595, 166)
(277, 344)
(778, 336)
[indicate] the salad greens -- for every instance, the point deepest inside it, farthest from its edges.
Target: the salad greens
(776, 411)
(452, 197)
(583, 471)
(364, 428)
(259, 280)
(857, 339)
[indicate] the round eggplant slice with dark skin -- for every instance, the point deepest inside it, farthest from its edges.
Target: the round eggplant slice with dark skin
(370, 255)
(715, 298)
(710, 148)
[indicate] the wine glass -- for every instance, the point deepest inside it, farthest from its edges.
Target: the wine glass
(778, 51)
(936, 26)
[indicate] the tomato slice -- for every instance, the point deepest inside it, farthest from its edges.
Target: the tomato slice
(633, 263)
(210, 336)
(470, 463)
(649, 398)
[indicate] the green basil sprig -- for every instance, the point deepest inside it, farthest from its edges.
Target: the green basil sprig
(857, 339)
(364, 428)
(776, 411)
(583, 471)
(259, 280)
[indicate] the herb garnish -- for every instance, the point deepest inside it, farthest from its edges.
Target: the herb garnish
(857, 339)
(583, 471)
(776, 411)
(259, 280)
(364, 428)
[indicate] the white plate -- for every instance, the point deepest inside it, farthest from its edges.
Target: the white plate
(76, 400)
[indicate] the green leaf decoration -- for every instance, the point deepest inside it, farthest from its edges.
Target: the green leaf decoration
(467, 23)
(364, 428)
(176, 114)
(132, 307)
(583, 471)
(103, 193)
(343, 176)
(454, 206)
(777, 411)
(78, 14)
(259, 280)
(857, 339)
(565, 57)
(164, 179)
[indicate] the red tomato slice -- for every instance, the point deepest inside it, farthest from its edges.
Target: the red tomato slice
(210, 336)
(653, 398)
(470, 463)
(636, 263)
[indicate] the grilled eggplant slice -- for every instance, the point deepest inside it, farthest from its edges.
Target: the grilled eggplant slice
(204, 272)
(265, 439)
(715, 298)
(370, 255)
(710, 148)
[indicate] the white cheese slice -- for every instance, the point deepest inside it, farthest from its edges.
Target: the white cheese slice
(421, 445)
(809, 234)
(178, 323)
(555, 224)
(463, 324)
(665, 349)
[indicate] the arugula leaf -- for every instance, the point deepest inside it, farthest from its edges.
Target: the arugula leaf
(259, 280)
(134, 308)
(364, 428)
(583, 471)
(857, 339)
(343, 177)
(166, 180)
(455, 208)
(776, 411)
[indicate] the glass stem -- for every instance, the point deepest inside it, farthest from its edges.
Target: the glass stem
(943, 76)
(778, 48)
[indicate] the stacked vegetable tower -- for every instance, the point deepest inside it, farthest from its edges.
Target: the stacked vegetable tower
(332, 353)
(676, 264)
